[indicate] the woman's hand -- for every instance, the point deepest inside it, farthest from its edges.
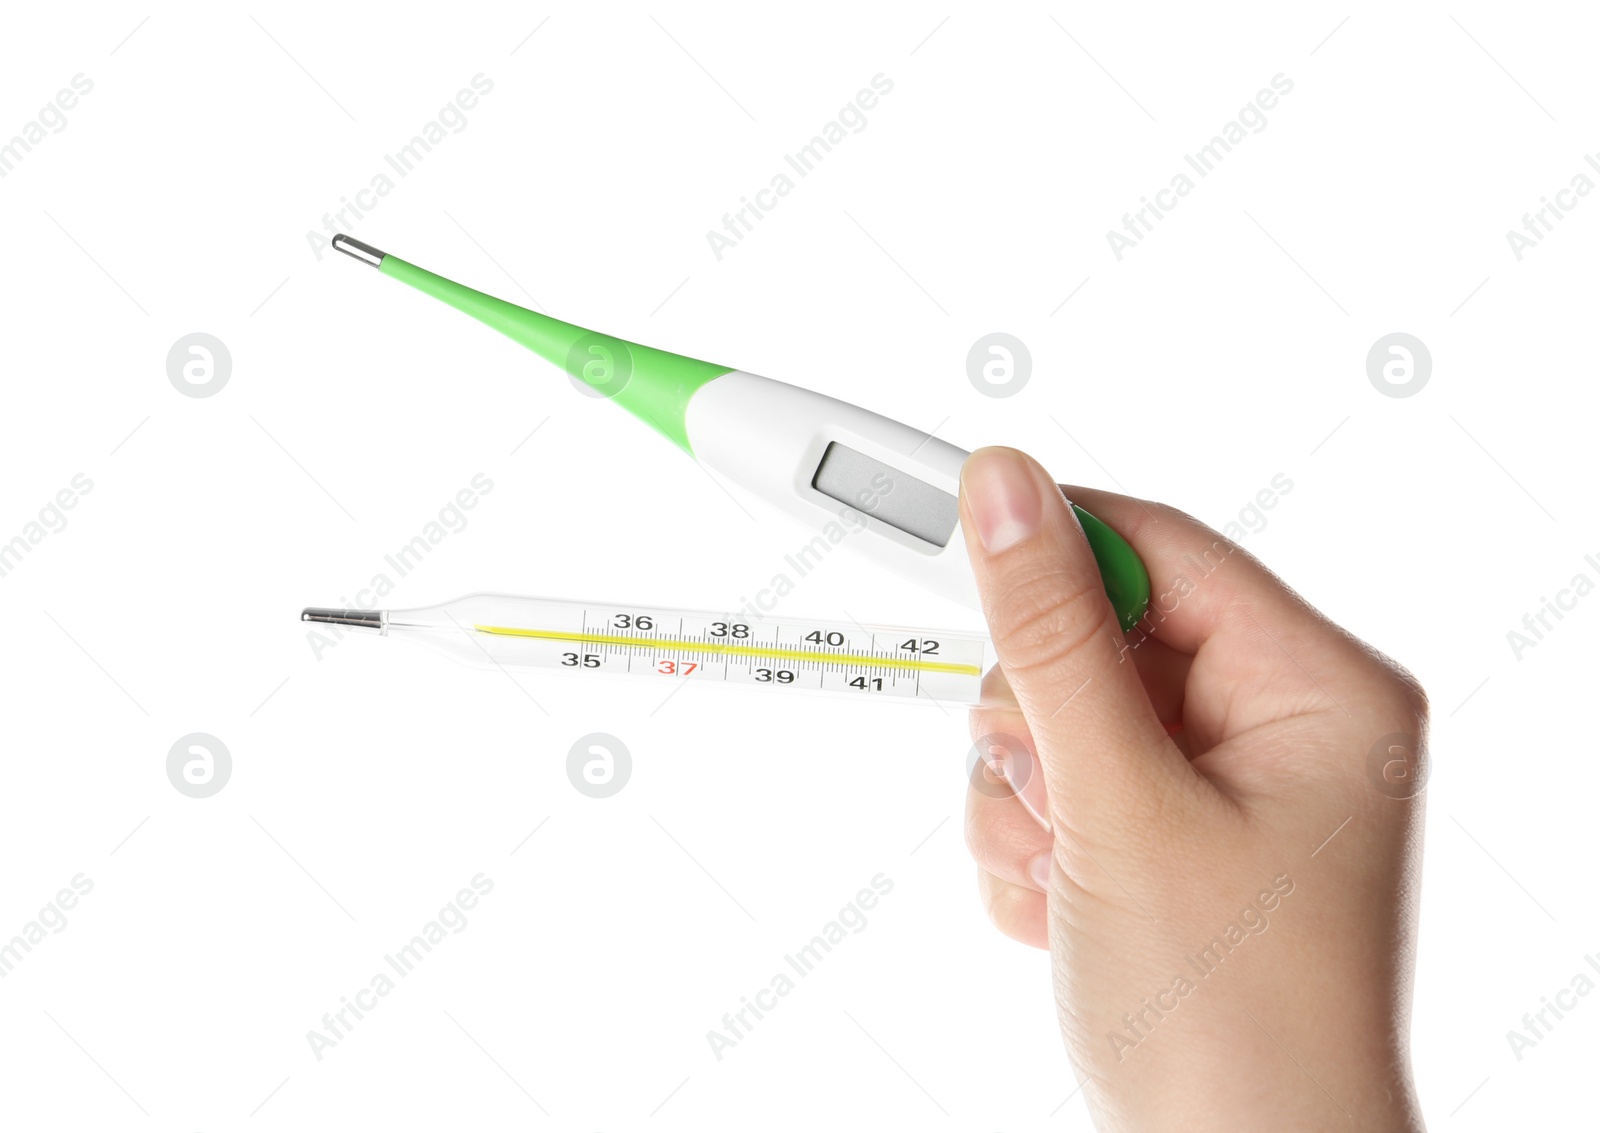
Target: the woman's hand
(1213, 822)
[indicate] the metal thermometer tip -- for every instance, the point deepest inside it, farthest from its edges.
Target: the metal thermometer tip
(356, 249)
(365, 619)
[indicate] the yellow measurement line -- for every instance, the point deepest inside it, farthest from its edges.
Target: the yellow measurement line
(904, 663)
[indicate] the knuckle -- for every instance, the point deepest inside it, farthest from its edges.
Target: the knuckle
(1167, 511)
(1404, 697)
(1177, 517)
(1045, 620)
(1412, 695)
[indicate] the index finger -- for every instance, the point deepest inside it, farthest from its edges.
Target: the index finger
(1202, 584)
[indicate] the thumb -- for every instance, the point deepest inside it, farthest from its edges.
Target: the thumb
(1105, 755)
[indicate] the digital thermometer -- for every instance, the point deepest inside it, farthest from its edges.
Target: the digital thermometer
(820, 460)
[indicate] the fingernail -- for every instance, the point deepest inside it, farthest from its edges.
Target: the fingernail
(1039, 870)
(1002, 496)
(996, 769)
(1023, 776)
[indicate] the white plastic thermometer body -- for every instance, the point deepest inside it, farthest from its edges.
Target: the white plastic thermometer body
(866, 482)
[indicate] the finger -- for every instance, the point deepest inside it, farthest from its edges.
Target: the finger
(1003, 838)
(1270, 654)
(1165, 673)
(1201, 583)
(1057, 638)
(1000, 740)
(1020, 913)
(1163, 669)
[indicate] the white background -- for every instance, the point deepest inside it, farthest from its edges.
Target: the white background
(371, 784)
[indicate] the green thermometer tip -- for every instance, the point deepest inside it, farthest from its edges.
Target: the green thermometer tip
(654, 385)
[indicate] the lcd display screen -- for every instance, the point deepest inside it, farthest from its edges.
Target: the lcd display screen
(888, 494)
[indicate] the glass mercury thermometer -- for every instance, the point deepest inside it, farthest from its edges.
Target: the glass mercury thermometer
(822, 461)
(668, 646)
